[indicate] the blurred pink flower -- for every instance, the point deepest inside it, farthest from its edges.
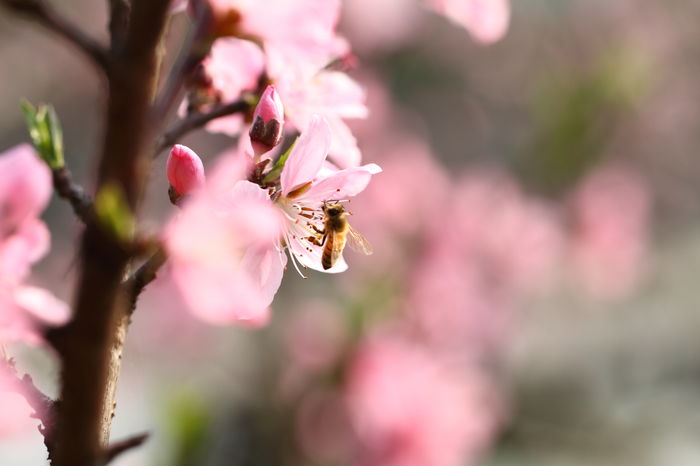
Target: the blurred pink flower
(223, 249)
(390, 23)
(234, 66)
(333, 95)
(184, 169)
(296, 34)
(611, 211)
(15, 412)
(410, 408)
(516, 238)
(25, 189)
(486, 20)
(306, 185)
(500, 244)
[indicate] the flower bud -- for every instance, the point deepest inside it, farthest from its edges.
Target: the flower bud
(268, 118)
(185, 172)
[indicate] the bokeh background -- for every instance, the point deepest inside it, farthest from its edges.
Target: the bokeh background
(535, 230)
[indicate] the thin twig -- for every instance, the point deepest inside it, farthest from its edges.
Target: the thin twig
(47, 17)
(194, 50)
(74, 193)
(42, 405)
(144, 275)
(197, 120)
(117, 448)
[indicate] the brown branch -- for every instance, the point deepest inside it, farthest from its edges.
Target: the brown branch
(74, 193)
(47, 17)
(197, 120)
(117, 448)
(92, 341)
(42, 405)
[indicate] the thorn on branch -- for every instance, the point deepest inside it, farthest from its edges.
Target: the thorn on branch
(137, 282)
(197, 120)
(47, 17)
(117, 448)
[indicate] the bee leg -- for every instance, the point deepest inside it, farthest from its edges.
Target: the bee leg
(314, 240)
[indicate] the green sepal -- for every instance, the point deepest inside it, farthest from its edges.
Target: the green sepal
(276, 170)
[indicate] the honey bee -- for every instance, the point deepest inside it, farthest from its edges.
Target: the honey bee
(337, 233)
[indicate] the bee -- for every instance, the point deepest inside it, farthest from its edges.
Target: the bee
(337, 233)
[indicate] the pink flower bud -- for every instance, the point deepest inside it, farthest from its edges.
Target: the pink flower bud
(185, 171)
(266, 131)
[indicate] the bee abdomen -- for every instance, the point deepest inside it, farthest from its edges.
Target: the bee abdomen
(327, 256)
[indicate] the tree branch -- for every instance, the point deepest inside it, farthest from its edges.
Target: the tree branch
(197, 120)
(74, 193)
(42, 405)
(44, 15)
(117, 448)
(93, 340)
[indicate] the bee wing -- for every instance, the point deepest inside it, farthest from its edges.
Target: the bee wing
(358, 243)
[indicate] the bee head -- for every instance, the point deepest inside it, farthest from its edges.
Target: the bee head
(333, 209)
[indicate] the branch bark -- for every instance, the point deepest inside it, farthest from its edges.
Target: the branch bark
(91, 344)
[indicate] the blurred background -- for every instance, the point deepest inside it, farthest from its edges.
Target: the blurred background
(531, 299)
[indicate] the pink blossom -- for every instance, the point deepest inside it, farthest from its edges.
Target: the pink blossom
(234, 66)
(185, 170)
(333, 95)
(486, 20)
(611, 211)
(294, 33)
(410, 408)
(306, 185)
(223, 249)
(25, 189)
(297, 34)
(268, 120)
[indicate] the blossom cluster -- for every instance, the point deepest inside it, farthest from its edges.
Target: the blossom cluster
(227, 245)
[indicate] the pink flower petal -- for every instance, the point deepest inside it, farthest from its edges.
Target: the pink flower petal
(486, 20)
(18, 252)
(307, 155)
(42, 305)
(25, 186)
(311, 257)
(342, 184)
